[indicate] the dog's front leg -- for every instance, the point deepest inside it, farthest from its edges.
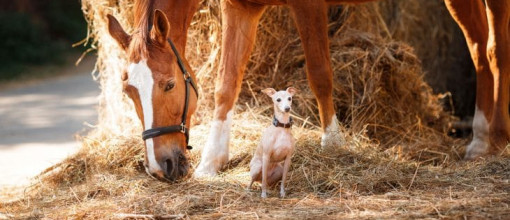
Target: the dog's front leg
(265, 167)
(286, 166)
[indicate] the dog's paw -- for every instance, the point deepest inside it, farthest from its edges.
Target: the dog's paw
(263, 195)
(282, 194)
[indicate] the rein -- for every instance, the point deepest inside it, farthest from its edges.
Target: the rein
(155, 132)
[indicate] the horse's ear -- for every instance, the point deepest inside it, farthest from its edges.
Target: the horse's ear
(161, 27)
(116, 31)
(269, 91)
(292, 91)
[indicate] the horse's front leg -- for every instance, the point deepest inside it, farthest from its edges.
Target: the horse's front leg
(311, 21)
(472, 19)
(239, 27)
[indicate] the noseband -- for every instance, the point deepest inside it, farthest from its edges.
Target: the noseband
(155, 132)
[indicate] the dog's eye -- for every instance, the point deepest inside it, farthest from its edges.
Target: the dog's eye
(290, 99)
(278, 99)
(169, 85)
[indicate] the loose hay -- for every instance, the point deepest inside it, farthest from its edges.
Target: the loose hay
(398, 162)
(357, 181)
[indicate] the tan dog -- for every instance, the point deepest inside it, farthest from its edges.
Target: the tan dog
(276, 145)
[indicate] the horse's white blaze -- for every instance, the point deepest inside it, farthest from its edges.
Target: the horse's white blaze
(332, 136)
(140, 77)
(215, 152)
(480, 142)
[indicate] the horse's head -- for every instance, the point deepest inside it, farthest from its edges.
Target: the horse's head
(158, 87)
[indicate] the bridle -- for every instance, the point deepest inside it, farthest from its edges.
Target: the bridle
(155, 132)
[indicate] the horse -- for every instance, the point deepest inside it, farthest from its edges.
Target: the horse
(160, 82)
(486, 30)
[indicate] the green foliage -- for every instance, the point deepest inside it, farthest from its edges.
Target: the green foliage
(42, 36)
(65, 20)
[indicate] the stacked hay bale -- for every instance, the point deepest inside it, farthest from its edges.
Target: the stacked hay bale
(116, 114)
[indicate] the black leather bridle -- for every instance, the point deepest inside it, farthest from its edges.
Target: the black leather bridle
(155, 132)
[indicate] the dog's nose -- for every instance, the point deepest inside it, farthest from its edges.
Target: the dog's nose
(287, 109)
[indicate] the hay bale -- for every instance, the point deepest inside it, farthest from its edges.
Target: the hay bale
(439, 43)
(116, 112)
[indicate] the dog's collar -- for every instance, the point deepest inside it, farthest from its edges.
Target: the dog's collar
(277, 123)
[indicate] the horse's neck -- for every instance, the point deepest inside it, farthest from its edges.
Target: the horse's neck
(179, 13)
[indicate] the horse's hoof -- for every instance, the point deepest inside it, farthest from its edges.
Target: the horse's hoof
(332, 140)
(332, 136)
(476, 149)
(204, 172)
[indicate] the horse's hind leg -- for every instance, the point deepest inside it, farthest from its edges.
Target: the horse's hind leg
(498, 53)
(239, 27)
(472, 19)
(311, 21)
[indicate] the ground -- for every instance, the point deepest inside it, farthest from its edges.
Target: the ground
(357, 181)
(40, 117)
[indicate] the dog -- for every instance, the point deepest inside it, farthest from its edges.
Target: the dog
(276, 145)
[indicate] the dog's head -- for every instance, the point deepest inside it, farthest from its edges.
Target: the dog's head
(282, 99)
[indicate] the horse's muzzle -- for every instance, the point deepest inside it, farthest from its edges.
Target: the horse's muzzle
(173, 167)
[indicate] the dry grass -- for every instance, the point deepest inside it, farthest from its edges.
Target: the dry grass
(355, 181)
(398, 163)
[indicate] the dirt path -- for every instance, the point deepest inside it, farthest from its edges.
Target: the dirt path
(38, 122)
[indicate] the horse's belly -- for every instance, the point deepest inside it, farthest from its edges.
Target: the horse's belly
(269, 2)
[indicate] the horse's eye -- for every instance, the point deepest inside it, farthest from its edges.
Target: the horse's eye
(169, 85)
(290, 99)
(278, 99)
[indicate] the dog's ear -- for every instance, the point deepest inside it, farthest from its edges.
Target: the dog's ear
(269, 91)
(292, 91)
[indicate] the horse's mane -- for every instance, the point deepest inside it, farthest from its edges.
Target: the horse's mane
(143, 10)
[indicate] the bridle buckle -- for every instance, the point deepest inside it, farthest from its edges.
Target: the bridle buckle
(183, 128)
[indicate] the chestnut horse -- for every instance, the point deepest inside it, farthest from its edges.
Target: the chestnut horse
(153, 67)
(158, 81)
